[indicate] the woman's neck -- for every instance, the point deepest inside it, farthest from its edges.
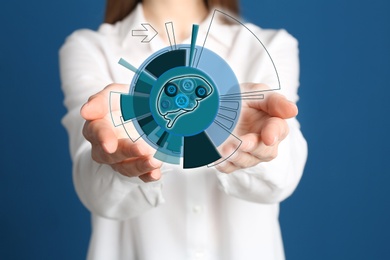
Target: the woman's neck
(183, 13)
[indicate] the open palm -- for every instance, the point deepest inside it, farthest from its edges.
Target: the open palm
(261, 128)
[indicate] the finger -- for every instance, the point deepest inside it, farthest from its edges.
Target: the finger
(275, 105)
(151, 176)
(100, 132)
(274, 130)
(97, 106)
(243, 159)
(135, 167)
(250, 142)
(126, 149)
(106, 148)
(237, 153)
(258, 148)
(226, 167)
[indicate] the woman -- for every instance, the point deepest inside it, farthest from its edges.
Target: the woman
(144, 209)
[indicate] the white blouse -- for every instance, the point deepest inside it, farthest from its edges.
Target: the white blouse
(188, 214)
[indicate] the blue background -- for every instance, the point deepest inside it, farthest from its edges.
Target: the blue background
(341, 207)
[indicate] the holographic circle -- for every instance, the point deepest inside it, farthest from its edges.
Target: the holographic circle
(187, 85)
(170, 90)
(181, 101)
(174, 104)
(201, 91)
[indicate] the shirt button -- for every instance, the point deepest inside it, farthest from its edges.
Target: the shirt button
(197, 209)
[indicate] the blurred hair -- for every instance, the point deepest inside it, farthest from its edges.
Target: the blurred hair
(116, 10)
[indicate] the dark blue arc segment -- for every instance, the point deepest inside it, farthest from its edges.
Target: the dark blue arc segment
(163, 139)
(143, 87)
(199, 151)
(195, 29)
(148, 124)
(167, 61)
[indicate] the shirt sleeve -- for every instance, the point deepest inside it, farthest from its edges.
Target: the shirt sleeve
(103, 191)
(272, 182)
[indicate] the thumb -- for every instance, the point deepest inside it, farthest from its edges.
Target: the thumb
(95, 108)
(97, 105)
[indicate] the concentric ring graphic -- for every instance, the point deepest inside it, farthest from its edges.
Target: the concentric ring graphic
(184, 101)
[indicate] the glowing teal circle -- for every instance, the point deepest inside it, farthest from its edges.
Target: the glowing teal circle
(182, 101)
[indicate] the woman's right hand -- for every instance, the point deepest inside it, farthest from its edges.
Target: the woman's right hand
(110, 145)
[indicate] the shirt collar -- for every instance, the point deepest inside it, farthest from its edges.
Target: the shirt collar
(136, 17)
(220, 31)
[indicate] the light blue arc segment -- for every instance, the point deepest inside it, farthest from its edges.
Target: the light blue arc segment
(162, 156)
(142, 74)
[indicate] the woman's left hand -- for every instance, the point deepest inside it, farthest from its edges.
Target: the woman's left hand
(261, 128)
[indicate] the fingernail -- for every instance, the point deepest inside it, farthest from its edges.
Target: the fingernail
(294, 104)
(108, 148)
(274, 141)
(155, 175)
(83, 107)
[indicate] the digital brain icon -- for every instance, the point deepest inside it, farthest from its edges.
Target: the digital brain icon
(180, 96)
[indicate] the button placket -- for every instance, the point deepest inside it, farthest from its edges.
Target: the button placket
(196, 223)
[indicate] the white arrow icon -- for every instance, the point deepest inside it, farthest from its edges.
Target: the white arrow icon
(148, 33)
